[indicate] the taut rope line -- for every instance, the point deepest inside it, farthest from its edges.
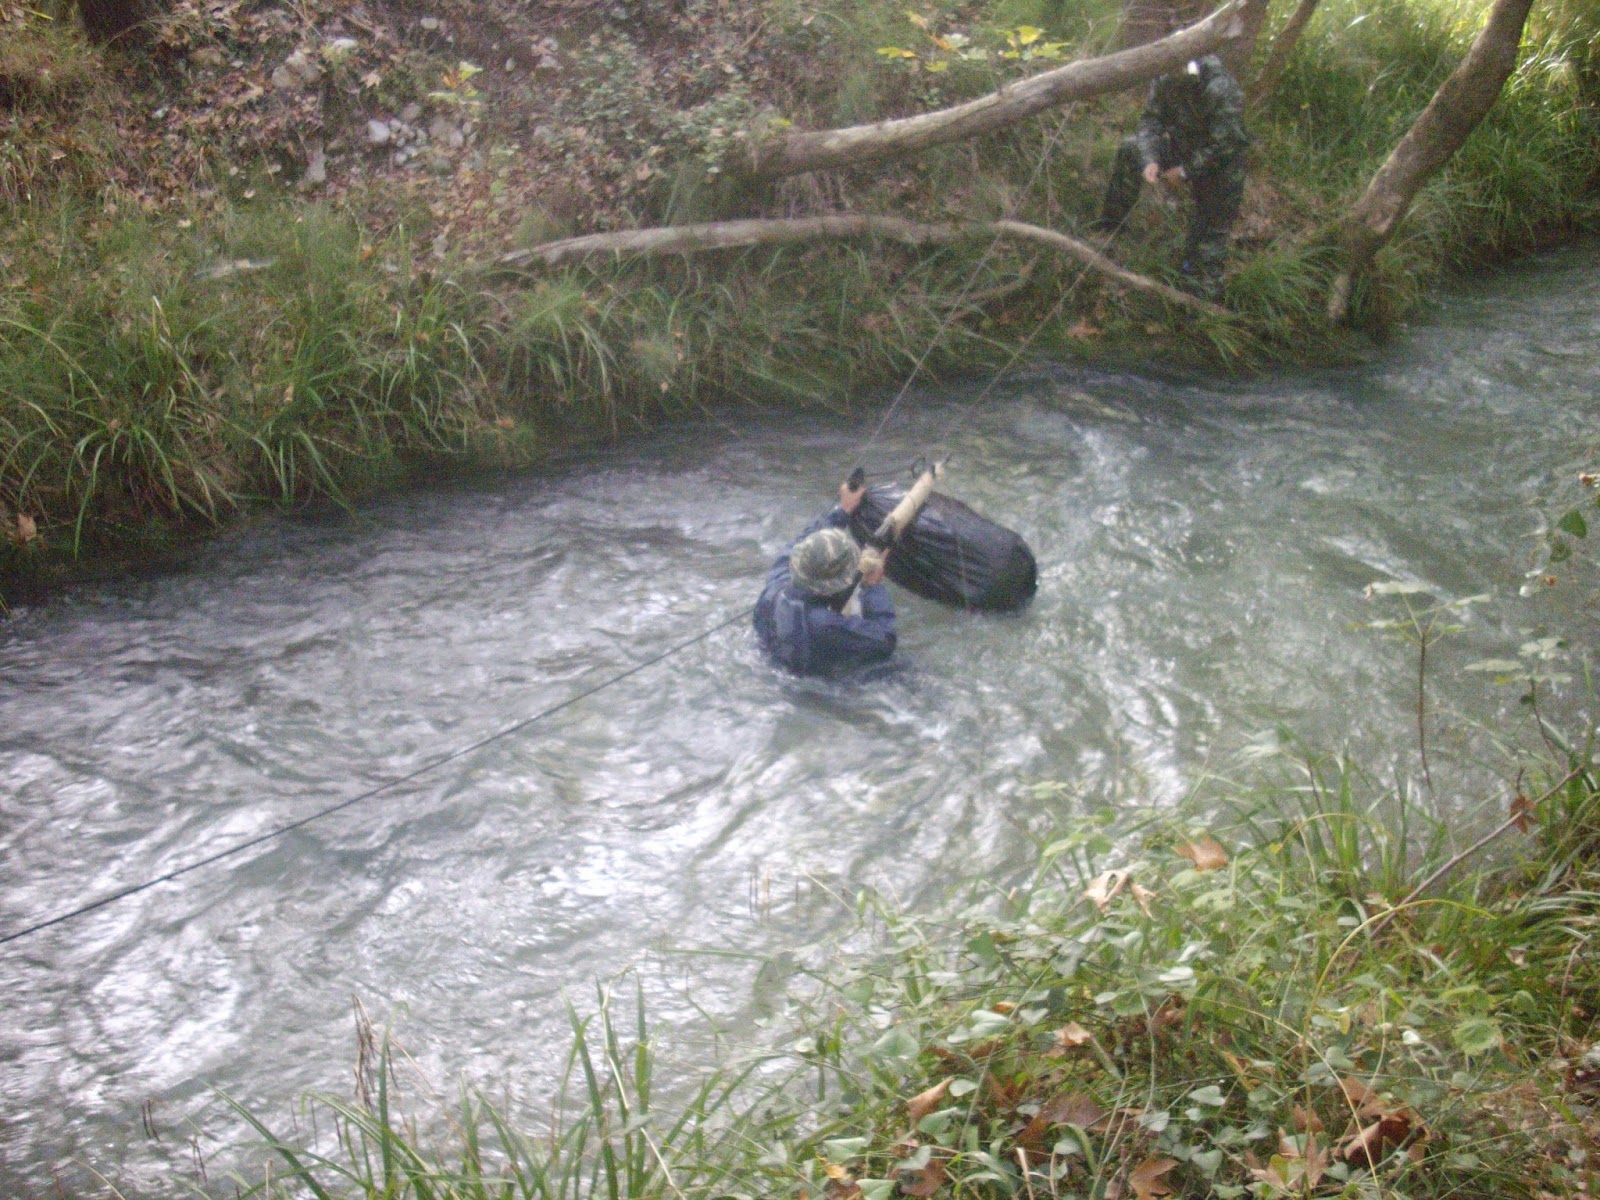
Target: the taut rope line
(351, 802)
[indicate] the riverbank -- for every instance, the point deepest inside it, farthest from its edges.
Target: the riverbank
(227, 287)
(1294, 986)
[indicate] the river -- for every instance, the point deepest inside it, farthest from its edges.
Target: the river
(1203, 546)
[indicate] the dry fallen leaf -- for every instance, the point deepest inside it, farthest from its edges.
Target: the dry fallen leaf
(1146, 1178)
(1142, 895)
(1306, 1120)
(1206, 853)
(1069, 1035)
(1522, 813)
(1367, 1147)
(27, 528)
(1104, 887)
(1074, 1109)
(1363, 1101)
(925, 1180)
(926, 1102)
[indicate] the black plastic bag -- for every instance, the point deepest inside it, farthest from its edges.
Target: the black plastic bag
(951, 554)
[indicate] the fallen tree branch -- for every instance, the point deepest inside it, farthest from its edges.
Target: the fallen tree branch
(727, 235)
(774, 157)
(1090, 257)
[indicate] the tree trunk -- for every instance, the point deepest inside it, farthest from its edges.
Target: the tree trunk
(1282, 46)
(1455, 111)
(725, 235)
(105, 20)
(1237, 52)
(794, 153)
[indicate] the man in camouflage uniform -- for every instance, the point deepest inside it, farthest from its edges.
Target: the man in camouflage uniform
(1192, 128)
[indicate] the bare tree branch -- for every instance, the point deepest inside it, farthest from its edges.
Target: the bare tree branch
(724, 235)
(794, 153)
(1457, 108)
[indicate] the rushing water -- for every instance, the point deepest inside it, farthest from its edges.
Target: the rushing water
(1203, 549)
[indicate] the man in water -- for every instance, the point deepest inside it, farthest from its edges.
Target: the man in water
(1192, 129)
(802, 619)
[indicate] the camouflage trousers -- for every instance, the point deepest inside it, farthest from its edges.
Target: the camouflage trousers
(1217, 196)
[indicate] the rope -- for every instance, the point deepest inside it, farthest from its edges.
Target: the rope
(972, 279)
(434, 765)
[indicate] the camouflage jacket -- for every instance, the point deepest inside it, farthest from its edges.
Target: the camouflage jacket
(1201, 130)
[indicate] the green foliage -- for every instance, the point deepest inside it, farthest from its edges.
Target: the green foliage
(1276, 1010)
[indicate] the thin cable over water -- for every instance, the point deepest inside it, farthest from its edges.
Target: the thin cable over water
(434, 765)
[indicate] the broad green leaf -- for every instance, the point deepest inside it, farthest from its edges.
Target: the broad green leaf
(897, 1043)
(1210, 1094)
(896, 52)
(1574, 524)
(1028, 34)
(876, 1189)
(1477, 1035)
(844, 1149)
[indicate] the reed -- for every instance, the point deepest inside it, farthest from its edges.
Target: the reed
(1250, 996)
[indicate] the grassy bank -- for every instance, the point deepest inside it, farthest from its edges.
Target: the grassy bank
(1295, 989)
(188, 331)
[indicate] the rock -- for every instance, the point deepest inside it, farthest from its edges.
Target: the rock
(316, 167)
(429, 23)
(446, 133)
(411, 111)
(378, 133)
(296, 72)
(339, 48)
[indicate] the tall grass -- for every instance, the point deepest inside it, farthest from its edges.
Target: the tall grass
(1252, 996)
(164, 371)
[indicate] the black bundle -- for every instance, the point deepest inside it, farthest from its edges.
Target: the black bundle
(951, 554)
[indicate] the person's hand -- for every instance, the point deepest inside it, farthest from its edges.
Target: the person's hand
(871, 566)
(850, 498)
(1173, 176)
(1152, 173)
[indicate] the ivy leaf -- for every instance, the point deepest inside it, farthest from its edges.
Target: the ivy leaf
(844, 1149)
(897, 1043)
(1574, 524)
(1477, 1035)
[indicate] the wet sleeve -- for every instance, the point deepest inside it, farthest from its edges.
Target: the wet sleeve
(857, 641)
(1225, 138)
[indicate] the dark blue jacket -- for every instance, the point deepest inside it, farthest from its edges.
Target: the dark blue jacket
(802, 632)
